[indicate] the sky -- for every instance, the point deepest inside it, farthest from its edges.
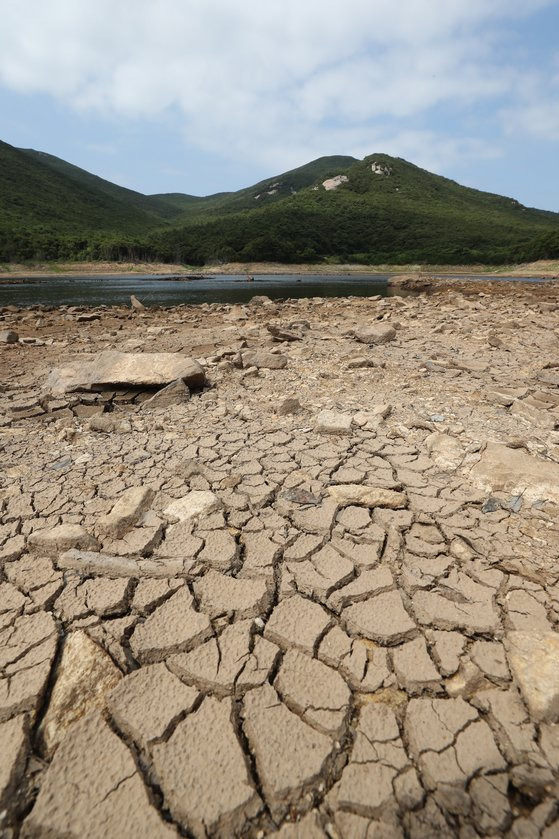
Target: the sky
(201, 96)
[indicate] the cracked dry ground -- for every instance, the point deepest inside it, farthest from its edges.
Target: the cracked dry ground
(238, 616)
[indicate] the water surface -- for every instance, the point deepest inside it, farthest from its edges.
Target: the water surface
(160, 290)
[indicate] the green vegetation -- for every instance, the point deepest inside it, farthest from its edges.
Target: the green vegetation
(50, 209)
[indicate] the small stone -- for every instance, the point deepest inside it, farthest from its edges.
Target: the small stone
(177, 393)
(192, 506)
(126, 512)
(491, 505)
(330, 422)
(8, 336)
(367, 496)
(263, 359)
(289, 406)
(135, 303)
(445, 451)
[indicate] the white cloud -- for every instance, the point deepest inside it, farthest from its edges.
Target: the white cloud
(535, 112)
(268, 81)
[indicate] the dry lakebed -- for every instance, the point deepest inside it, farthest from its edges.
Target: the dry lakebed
(281, 569)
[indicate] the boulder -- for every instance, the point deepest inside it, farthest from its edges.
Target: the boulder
(136, 304)
(259, 300)
(117, 369)
(379, 333)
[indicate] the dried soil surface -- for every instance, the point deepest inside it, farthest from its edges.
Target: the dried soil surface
(317, 596)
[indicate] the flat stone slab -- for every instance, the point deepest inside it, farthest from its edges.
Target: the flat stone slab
(118, 369)
(190, 507)
(63, 537)
(534, 661)
(367, 496)
(502, 469)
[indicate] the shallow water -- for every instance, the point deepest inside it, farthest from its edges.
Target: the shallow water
(160, 290)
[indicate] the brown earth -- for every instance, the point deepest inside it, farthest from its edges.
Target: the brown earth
(316, 596)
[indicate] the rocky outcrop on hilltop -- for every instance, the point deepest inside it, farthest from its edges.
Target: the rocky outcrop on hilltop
(305, 582)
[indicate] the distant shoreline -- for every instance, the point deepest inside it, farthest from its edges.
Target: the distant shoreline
(548, 269)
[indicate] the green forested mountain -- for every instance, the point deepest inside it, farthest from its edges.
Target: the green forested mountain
(383, 210)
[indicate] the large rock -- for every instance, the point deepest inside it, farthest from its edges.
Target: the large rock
(112, 368)
(502, 469)
(13, 748)
(445, 451)
(534, 661)
(86, 673)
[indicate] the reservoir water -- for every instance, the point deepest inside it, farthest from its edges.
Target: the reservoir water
(161, 290)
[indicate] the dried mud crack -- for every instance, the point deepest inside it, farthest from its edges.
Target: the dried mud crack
(284, 569)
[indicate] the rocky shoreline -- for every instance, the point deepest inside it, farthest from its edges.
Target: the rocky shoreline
(541, 269)
(282, 569)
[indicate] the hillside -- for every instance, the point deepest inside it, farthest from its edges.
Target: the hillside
(153, 205)
(378, 210)
(398, 213)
